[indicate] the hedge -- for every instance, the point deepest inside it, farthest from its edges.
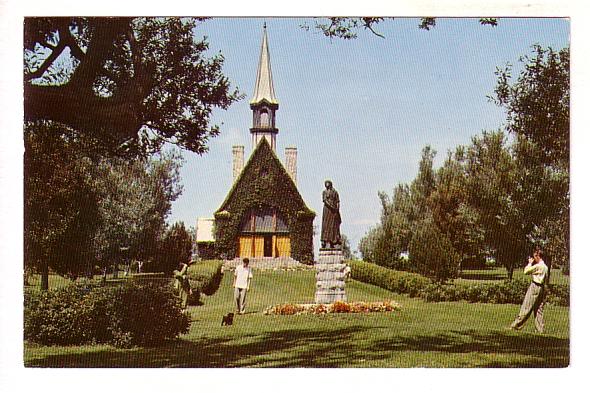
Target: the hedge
(125, 315)
(415, 285)
(507, 291)
(204, 277)
(392, 280)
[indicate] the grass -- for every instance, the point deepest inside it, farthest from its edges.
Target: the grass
(55, 282)
(422, 334)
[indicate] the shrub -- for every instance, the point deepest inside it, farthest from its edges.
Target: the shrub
(146, 314)
(204, 277)
(58, 317)
(392, 280)
(174, 248)
(432, 253)
(124, 315)
(558, 294)
(507, 291)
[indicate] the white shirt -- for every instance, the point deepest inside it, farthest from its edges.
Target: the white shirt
(538, 270)
(243, 275)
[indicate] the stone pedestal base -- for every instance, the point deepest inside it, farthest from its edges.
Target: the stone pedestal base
(330, 276)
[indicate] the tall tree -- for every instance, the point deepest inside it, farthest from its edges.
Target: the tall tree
(135, 199)
(538, 111)
(425, 182)
(538, 104)
(60, 201)
(175, 247)
(452, 213)
(135, 83)
(494, 191)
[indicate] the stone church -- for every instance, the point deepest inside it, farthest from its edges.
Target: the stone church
(263, 215)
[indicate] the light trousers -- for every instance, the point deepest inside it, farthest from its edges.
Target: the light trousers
(240, 296)
(532, 304)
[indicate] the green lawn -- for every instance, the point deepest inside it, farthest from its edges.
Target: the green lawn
(420, 335)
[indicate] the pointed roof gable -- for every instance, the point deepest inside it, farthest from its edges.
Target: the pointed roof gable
(263, 151)
(264, 89)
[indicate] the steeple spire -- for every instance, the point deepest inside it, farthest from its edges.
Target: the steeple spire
(264, 89)
(264, 104)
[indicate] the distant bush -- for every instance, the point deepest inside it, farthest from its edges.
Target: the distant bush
(507, 291)
(415, 285)
(204, 277)
(392, 280)
(432, 253)
(124, 315)
(559, 294)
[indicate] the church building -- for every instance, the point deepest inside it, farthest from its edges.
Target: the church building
(263, 215)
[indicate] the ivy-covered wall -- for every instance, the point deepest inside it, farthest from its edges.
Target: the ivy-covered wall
(264, 183)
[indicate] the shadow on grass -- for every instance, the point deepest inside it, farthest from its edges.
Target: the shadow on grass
(317, 349)
(534, 350)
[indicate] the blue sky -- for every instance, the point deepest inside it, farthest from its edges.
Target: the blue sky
(359, 111)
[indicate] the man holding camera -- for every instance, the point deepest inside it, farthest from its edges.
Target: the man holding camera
(535, 295)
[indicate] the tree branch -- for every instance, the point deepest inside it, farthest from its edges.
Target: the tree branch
(104, 34)
(55, 53)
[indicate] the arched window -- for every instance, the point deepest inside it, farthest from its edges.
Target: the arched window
(265, 220)
(264, 118)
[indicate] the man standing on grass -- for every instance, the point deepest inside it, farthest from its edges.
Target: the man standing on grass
(535, 295)
(242, 277)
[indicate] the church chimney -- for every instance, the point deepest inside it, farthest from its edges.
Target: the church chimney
(291, 162)
(238, 160)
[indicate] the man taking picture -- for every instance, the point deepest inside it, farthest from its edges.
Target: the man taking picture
(535, 295)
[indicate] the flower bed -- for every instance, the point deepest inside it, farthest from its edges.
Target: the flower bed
(336, 307)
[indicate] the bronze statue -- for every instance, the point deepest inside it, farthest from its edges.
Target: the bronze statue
(331, 217)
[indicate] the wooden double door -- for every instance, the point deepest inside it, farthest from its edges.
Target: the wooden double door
(264, 245)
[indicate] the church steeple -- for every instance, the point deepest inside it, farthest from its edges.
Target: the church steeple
(264, 102)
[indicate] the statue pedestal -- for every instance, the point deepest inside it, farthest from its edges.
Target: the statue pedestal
(330, 276)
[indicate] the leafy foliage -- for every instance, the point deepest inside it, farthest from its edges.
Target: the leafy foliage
(432, 253)
(347, 28)
(507, 291)
(205, 276)
(491, 197)
(82, 208)
(136, 83)
(123, 315)
(60, 200)
(175, 247)
(538, 103)
(395, 281)
(135, 199)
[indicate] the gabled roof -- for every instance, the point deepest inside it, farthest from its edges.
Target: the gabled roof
(264, 89)
(262, 151)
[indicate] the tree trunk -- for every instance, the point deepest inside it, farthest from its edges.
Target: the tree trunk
(44, 275)
(510, 271)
